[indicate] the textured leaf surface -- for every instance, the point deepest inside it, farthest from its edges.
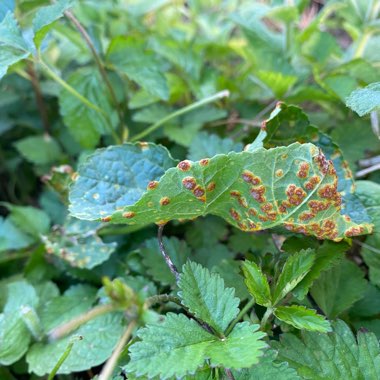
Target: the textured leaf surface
(339, 354)
(339, 288)
(11, 237)
(295, 269)
(179, 346)
(365, 100)
(116, 176)
(302, 318)
(204, 294)
(257, 283)
(86, 124)
(290, 186)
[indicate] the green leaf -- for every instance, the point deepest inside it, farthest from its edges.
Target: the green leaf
(99, 338)
(339, 288)
(326, 256)
(85, 124)
(208, 145)
(365, 100)
(141, 66)
(40, 150)
(204, 294)
(251, 190)
(302, 318)
(45, 16)
(116, 176)
(179, 346)
(11, 237)
(277, 82)
(5, 7)
(257, 283)
(13, 46)
(339, 354)
(268, 369)
(295, 269)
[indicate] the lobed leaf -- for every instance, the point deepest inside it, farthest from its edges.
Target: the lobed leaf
(294, 187)
(365, 100)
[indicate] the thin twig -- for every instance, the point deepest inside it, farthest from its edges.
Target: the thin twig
(39, 98)
(167, 258)
(364, 172)
(99, 63)
(229, 374)
(243, 311)
(109, 367)
(365, 162)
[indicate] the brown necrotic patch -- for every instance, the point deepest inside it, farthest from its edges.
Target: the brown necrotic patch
(189, 183)
(258, 193)
(249, 177)
(128, 214)
(184, 165)
(152, 185)
(204, 162)
(199, 192)
(295, 195)
(211, 186)
(164, 201)
(303, 170)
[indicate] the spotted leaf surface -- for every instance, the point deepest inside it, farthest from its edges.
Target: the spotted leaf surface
(294, 187)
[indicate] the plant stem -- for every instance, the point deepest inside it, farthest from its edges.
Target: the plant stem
(160, 298)
(266, 316)
(68, 327)
(191, 107)
(366, 171)
(167, 258)
(100, 65)
(64, 356)
(107, 370)
(243, 311)
(229, 374)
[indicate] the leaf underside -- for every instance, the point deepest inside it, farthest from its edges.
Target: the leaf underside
(294, 187)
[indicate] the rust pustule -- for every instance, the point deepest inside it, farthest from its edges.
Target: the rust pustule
(331, 193)
(106, 219)
(295, 195)
(322, 163)
(152, 185)
(189, 183)
(184, 165)
(312, 182)
(263, 218)
(317, 206)
(243, 202)
(235, 215)
(252, 226)
(279, 173)
(128, 214)
(303, 170)
(252, 211)
(204, 161)
(235, 193)
(306, 215)
(198, 191)
(249, 177)
(242, 226)
(354, 231)
(267, 207)
(143, 145)
(258, 193)
(211, 186)
(164, 201)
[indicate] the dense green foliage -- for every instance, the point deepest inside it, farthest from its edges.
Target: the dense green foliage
(262, 123)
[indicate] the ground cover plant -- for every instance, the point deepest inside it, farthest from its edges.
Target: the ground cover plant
(189, 190)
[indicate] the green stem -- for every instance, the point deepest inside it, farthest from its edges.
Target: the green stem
(191, 107)
(68, 327)
(64, 356)
(266, 316)
(362, 44)
(243, 311)
(109, 367)
(160, 298)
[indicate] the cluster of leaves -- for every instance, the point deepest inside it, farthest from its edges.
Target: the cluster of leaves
(269, 265)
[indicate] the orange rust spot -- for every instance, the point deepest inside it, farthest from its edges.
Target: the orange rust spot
(128, 214)
(258, 193)
(306, 215)
(284, 156)
(263, 218)
(267, 207)
(279, 173)
(354, 231)
(198, 191)
(330, 192)
(303, 171)
(321, 162)
(272, 216)
(204, 162)
(143, 145)
(106, 219)
(332, 170)
(295, 195)
(243, 202)
(249, 177)
(282, 208)
(252, 211)
(347, 218)
(152, 185)
(252, 226)
(242, 226)
(235, 215)
(211, 186)
(317, 206)
(235, 193)
(184, 165)
(164, 201)
(312, 182)
(189, 183)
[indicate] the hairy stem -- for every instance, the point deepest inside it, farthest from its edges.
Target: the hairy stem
(100, 65)
(243, 311)
(191, 107)
(109, 367)
(167, 258)
(68, 327)
(160, 298)
(229, 374)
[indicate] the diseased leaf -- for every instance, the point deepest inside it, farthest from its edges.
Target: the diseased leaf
(204, 294)
(179, 346)
(295, 269)
(116, 176)
(365, 100)
(257, 283)
(338, 288)
(339, 354)
(5, 7)
(292, 186)
(302, 318)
